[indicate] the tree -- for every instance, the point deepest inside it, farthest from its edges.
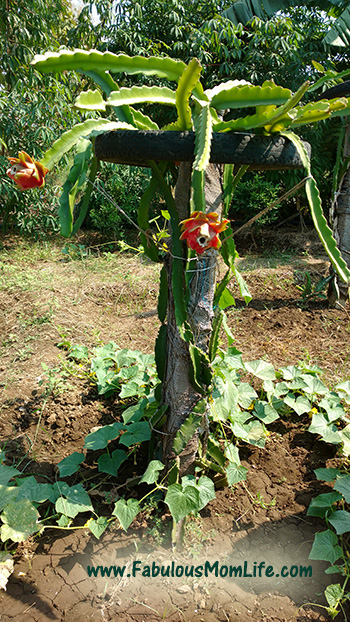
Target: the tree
(27, 27)
(34, 108)
(242, 11)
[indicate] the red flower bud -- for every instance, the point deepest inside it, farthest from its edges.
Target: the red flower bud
(26, 172)
(201, 231)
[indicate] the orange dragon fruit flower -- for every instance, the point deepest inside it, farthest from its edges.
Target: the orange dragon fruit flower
(201, 231)
(26, 172)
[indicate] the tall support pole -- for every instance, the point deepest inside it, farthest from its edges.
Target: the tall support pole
(179, 393)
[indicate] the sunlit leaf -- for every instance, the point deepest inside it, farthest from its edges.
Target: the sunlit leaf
(6, 568)
(328, 431)
(187, 83)
(261, 369)
(152, 472)
(73, 500)
(235, 473)
(205, 487)
(126, 511)
(245, 96)
(20, 520)
(97, 527)
(68, 139)
(181, 502)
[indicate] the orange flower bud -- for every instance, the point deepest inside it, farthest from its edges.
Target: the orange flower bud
(26, 172)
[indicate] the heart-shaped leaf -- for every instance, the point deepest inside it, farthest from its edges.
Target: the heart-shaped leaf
(71, 464)
(340, 521)
(261, 369)
(20, 520)
(326, 547)
(181, 502)
(110, 464)
(100, 438)
(73, 500)
(97, 527)
(152, 472)
(125, 511)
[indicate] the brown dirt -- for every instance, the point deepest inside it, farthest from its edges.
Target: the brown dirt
(263, 520)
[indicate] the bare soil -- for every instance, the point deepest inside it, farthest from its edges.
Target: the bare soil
(46, 300)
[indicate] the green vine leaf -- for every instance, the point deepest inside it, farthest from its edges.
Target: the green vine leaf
(235, 473)
(126, 511)
(73, 500)
(100, 438)
(205, 487)
(97, 527)
(7, 473)
(71, 464)
(20, 520)
(327, 475)
(32, 490)
(181, 502)
(137, 432)
(340, 520)
(111, 463)
(321, 504)
(321, 425)
(334, 595)
(7, 495)
(326, 547)
(261, 369)
(152, 472)
(342, 485)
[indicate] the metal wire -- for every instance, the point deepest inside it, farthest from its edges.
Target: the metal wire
(102, 191)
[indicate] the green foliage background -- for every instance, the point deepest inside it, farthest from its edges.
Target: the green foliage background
(36, 108)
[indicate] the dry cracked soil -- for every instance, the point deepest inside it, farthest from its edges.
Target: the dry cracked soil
(48, 298)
